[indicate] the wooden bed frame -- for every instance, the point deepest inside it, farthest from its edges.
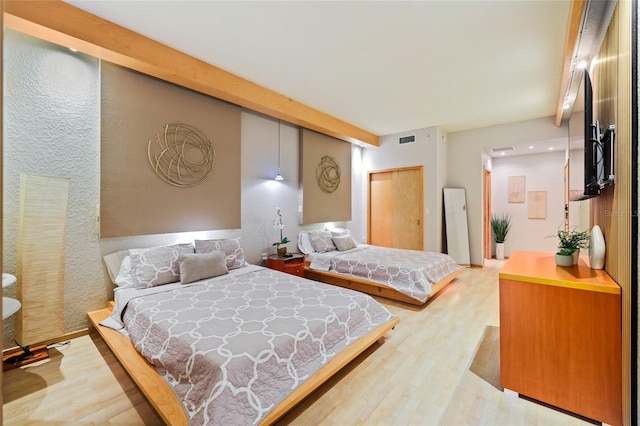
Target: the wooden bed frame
(373, 288)
(166, 403)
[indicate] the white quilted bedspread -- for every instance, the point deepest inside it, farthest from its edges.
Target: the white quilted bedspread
(411, 272)
(233, 347)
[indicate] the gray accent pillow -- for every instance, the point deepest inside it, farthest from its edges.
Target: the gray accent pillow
(157, 265)
(198, 266)
(233, 252)
(344, 242)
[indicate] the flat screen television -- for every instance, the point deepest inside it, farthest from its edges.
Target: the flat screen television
(598, 148)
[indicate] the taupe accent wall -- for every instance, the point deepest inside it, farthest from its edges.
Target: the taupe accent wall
(317, 205)
(134, 200)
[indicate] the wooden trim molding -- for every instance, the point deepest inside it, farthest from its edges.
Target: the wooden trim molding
(66, 25)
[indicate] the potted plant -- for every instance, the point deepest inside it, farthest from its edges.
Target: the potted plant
(569, 244)
(281, 245)
(500, 226)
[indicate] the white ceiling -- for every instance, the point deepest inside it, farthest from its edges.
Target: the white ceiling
(387, 67)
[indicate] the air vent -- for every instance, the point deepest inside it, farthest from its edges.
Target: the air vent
(407, 139)
(501, 150)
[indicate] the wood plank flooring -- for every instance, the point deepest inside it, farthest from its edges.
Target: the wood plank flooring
(440, 366)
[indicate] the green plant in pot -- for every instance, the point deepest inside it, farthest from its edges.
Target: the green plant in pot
(500, 226)
(570, 242)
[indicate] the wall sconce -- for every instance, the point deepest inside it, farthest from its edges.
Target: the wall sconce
(278, 176)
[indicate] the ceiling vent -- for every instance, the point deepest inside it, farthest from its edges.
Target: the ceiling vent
(501, 150)
(407, 139)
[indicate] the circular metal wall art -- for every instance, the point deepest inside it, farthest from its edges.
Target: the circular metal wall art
(182, 155)
(328, 174)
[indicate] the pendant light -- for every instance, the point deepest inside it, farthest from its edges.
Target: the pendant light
(278, 176)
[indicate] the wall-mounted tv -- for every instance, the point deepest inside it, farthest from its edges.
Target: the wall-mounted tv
(598, 149)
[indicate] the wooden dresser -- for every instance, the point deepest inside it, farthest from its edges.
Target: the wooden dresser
(291, 265)
(561, 335)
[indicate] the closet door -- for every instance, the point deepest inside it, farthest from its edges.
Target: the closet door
(395, 208)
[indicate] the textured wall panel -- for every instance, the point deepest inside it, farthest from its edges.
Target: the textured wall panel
(51, 129)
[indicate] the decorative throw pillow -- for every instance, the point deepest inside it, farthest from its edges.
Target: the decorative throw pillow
(321, 241)
(194, 267)
(344, 242)
(233, 252)
(157, 265)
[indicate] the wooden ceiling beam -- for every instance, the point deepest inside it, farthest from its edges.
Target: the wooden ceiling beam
(571, 42)
(66, 25)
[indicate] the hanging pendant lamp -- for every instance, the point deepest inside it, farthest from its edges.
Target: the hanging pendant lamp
(279, 176)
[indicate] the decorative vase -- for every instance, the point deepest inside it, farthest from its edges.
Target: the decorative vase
(576, 257)
(500, 251)
(282, 249)
(564, 259)
(596, 248)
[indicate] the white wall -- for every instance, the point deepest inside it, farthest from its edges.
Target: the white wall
(429, 151)
(52, 122)
(542, 172)
(466, 151)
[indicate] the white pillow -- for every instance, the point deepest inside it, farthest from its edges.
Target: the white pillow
(113, 262)
(125, 278)
(304, 243)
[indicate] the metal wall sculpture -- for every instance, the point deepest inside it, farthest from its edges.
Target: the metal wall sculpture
(182, 155)
(328, 174)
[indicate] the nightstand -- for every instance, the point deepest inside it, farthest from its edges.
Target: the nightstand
(291, 265)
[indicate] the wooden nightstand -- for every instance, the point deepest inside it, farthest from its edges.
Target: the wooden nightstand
(291, 265)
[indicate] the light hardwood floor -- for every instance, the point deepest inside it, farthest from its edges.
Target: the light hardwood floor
(440, 366)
